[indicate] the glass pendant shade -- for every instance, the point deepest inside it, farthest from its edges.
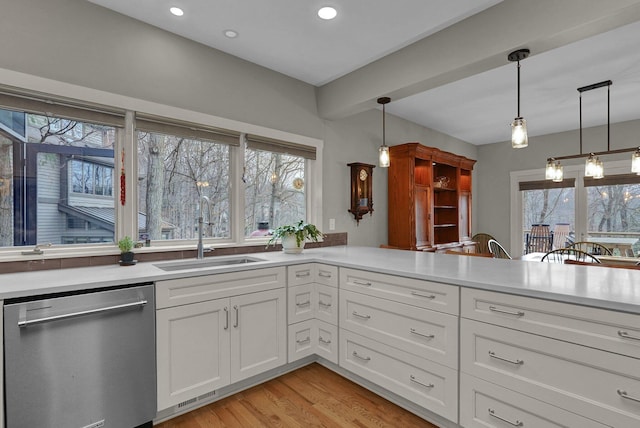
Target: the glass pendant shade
(599, 171)
(550, 170)
(590, 166)
(383, 156)
(635, 162)
(558, 173)
(519, 137)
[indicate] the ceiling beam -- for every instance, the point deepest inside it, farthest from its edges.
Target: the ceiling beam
(474, 45)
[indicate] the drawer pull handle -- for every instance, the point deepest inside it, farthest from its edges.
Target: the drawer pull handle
(355, 354)
(517, 423)
(326, 305)
(326, 342)
(626, 335)
(497, 357)
(235, 308)
(364, 317)
(301, 304)
(226, 315)
(301, 341)
(426, 296)
(622, 393)
(324, 274)
(303, 274)
(502, 311)
(365, 283)
(412, 378)
(428, 336)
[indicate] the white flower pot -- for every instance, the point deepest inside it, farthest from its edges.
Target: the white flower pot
(290, 246)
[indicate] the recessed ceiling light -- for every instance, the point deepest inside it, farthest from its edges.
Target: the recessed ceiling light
(327, 12)
(176, 11)
(232, 34)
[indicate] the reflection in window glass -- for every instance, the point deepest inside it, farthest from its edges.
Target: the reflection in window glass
(40, 206)
(173, 174)
(275, 191)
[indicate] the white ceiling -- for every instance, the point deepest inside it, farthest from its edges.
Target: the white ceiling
(288, 37)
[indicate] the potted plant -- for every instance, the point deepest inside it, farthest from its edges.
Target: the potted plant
(293, 236)
(126, 255)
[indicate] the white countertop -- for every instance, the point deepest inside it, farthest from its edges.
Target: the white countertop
(608, 288)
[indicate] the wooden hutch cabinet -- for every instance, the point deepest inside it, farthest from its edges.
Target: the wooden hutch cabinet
(429, 197)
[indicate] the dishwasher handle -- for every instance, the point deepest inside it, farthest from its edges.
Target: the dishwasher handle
(25, 323)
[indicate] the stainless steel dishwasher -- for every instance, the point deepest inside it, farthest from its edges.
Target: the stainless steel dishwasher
(81, 360)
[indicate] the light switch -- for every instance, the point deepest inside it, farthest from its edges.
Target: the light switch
(332, 224)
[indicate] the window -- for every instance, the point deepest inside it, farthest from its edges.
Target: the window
(274, 191)
(91, 178)
(177, 168)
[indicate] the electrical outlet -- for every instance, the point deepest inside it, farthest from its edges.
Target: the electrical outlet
(332, 224)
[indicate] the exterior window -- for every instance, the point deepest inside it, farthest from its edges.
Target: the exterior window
(275, 191)
(173, 174)
(552, 210)
(613, 217)
(46, 188)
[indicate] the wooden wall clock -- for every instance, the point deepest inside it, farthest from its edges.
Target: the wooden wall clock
(361, 189)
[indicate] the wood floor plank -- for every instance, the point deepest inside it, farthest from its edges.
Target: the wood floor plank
(310, 397)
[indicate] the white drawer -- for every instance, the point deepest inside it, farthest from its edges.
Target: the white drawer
(302, 303)
(579, 379)
(327, 305)
(301, 343)
(312, 272)
(327, 343)
(425, 333)
(483, 405)
(428, 384)
(313, 337)
(327, 275)
(174, 292)
(300, 274)
(598, 328)
(424, 294)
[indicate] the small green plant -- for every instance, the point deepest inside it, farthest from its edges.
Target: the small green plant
(301, 230)
(125, 244)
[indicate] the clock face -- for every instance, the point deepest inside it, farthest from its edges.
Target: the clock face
(363, 175)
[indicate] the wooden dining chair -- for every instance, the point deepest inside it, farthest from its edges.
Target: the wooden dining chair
(562, 254)
(462, 253)
(497, 250)
(482, 242)
(574, 262)
(591, 248)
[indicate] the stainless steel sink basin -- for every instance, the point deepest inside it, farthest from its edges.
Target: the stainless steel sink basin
(210, 262)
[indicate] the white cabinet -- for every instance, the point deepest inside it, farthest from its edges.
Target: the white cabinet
(202, 346)
(553, 367)
(312, 311)
(402, 334)
(258, 333)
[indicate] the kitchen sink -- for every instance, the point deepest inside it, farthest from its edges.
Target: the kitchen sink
(210, 262)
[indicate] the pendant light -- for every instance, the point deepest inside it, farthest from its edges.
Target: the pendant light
(383, 151)
(558, 173)
(519, 138)
(594, 167)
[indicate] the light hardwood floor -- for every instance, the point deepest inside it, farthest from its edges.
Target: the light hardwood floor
(312, 396)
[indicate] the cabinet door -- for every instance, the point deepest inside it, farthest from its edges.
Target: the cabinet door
(192, 350)
(258, 333)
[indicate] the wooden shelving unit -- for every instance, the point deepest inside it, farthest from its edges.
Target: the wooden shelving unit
(429, 197)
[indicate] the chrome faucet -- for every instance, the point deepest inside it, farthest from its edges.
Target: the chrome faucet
(201, 223)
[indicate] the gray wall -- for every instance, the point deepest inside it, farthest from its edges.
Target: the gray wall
(77, 42)
(496, 161)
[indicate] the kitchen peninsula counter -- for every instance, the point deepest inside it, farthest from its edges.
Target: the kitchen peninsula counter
(608, 288)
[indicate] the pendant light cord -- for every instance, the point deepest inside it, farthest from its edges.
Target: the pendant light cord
(518, 88)
(383, 127)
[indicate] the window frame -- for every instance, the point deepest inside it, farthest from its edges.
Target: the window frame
(126, 216)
